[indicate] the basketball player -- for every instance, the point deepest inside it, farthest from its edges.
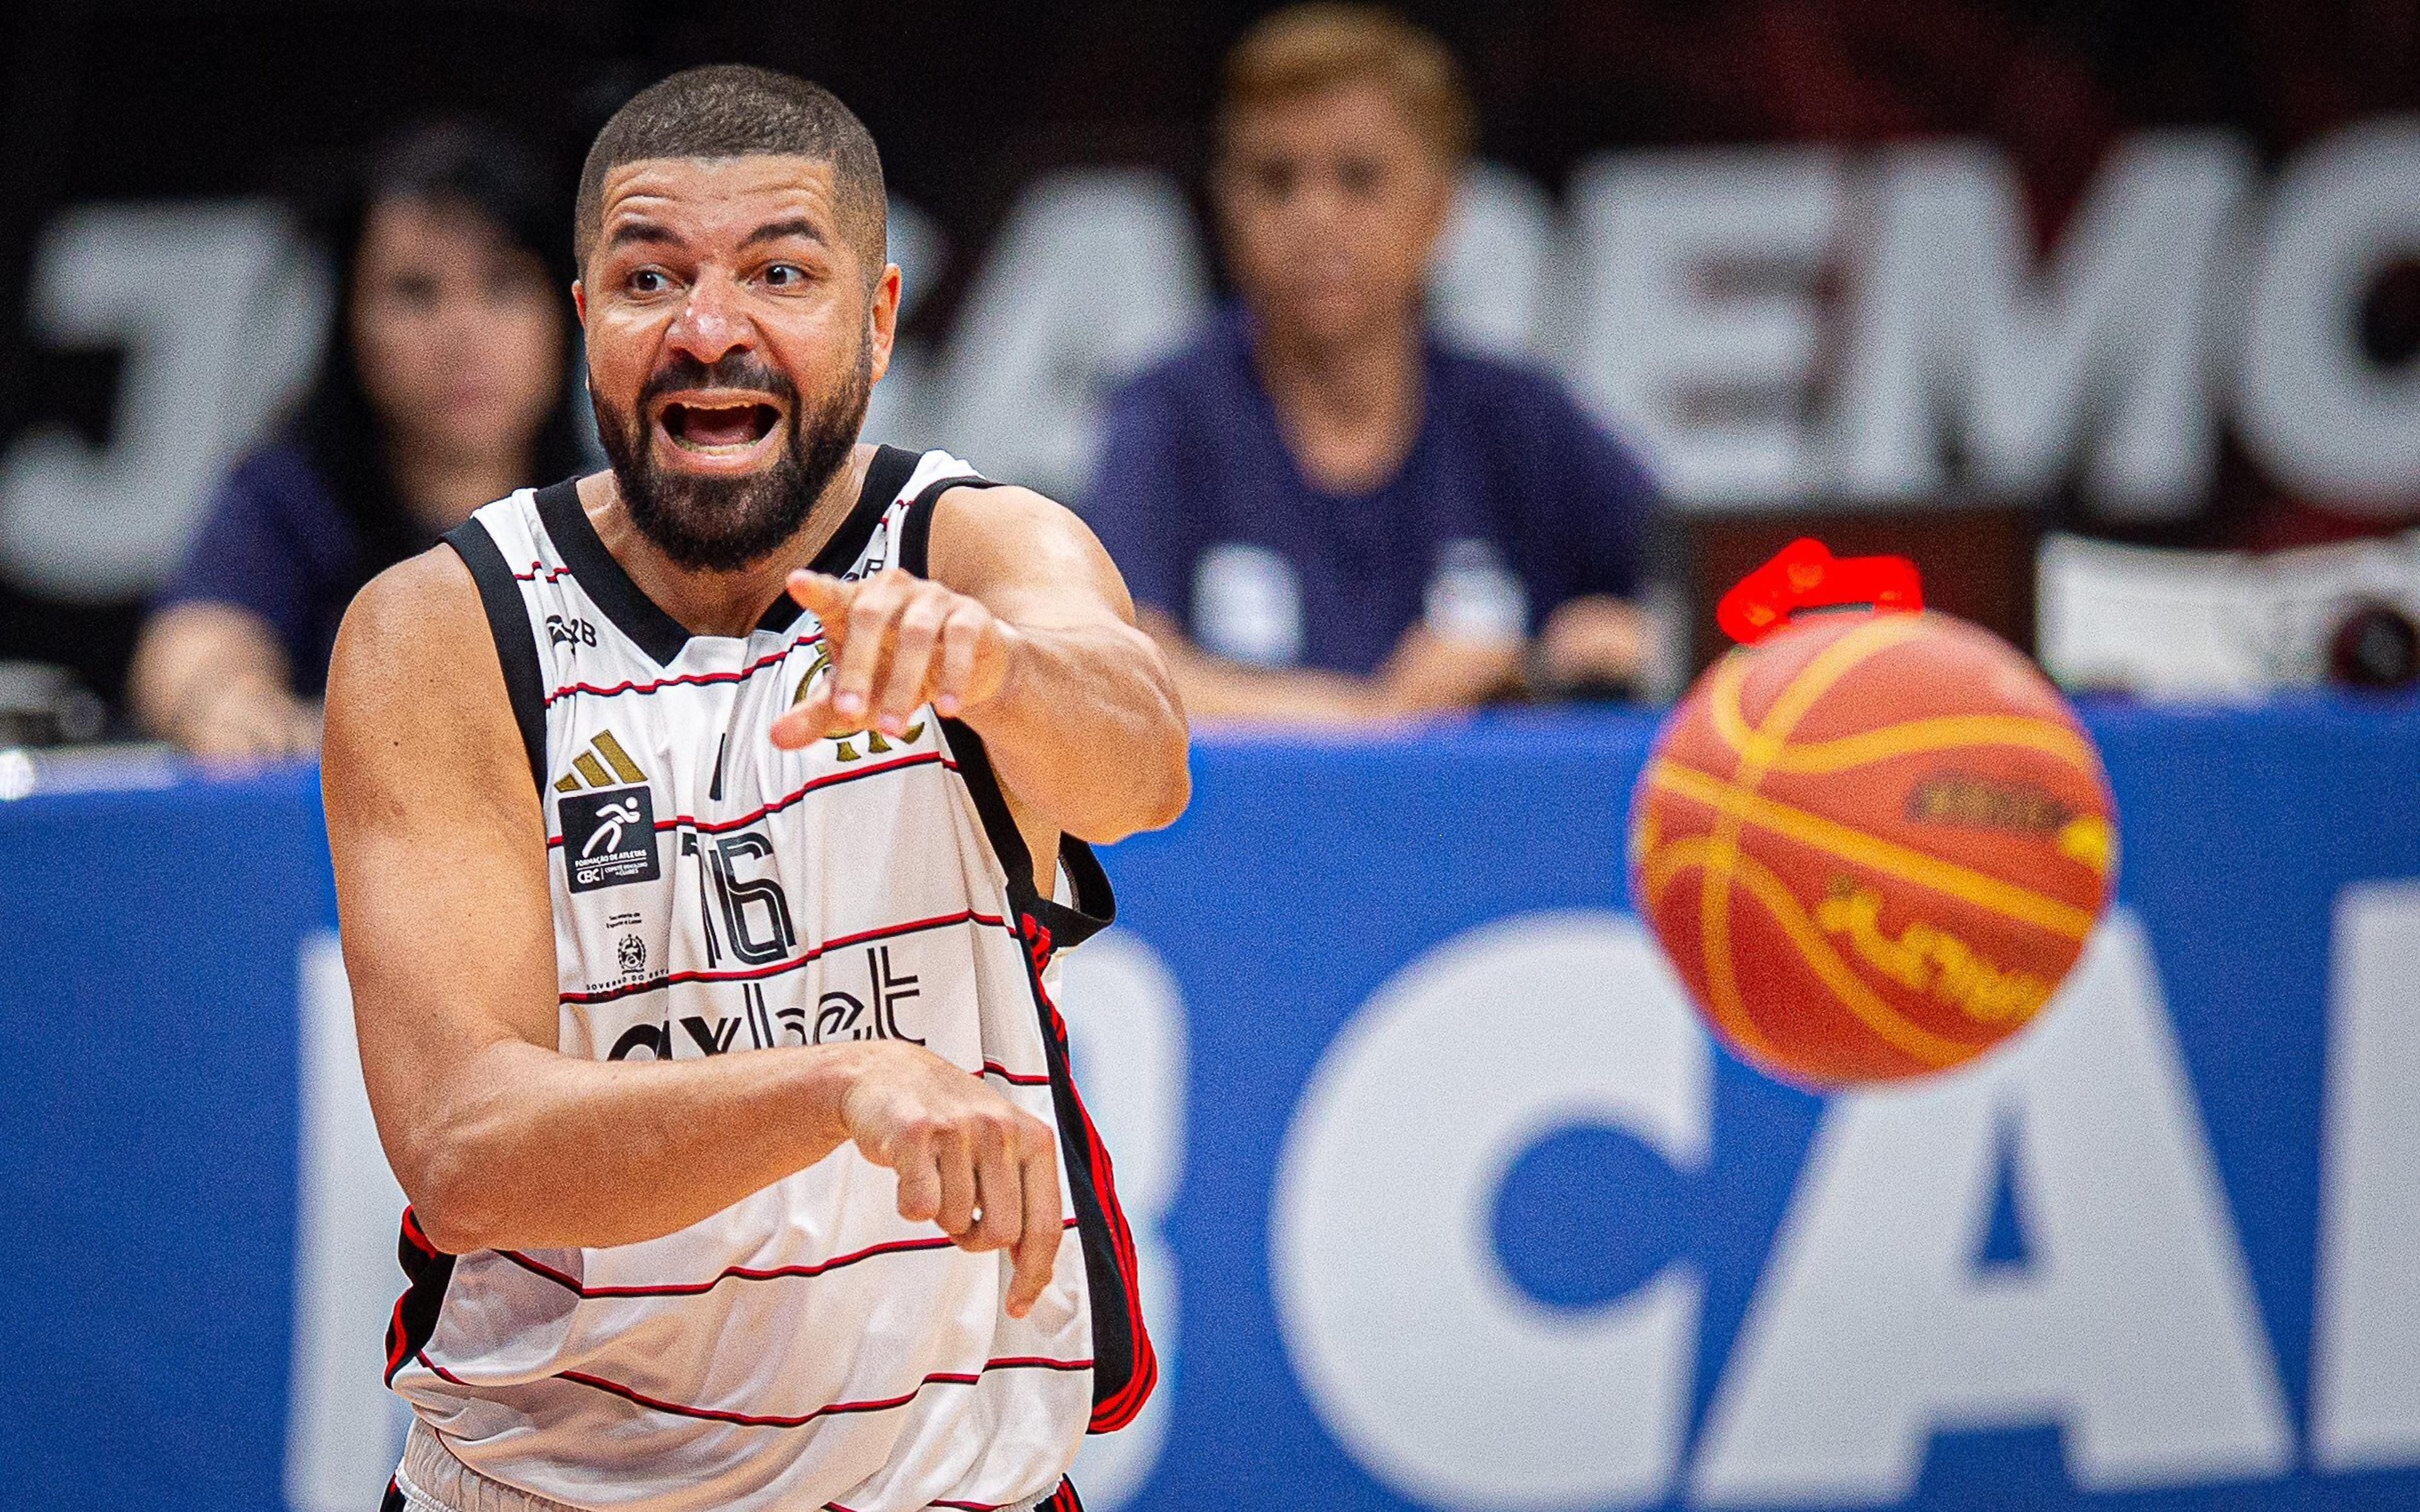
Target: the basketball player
(706, 830)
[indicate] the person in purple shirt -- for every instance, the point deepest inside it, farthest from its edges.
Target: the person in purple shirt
(1324, 514)
(441, 389)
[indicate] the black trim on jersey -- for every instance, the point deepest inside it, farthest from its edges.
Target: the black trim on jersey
(916, 526)
(430, 1270)
(1125, 1366)
(1095, 906)
(602, 579)
(916, 529)
(1122, 1358)
(393, 1501)
(508, 627)
(1044, 926)
(643, 620)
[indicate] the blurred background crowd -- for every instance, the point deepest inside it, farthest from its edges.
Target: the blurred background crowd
(1407, 361)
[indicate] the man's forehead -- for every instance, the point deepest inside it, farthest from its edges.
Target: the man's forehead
(753, 183)
(1348, 109)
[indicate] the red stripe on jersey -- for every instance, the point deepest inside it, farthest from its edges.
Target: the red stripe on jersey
(736, 1273)
(993, 1067)
(769, 1420)
(716, 826)
(396, 1344)
(686, 678)
(1120, 1408)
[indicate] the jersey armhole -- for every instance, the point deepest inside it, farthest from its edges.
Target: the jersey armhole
(1094, 905)
(508, 627)
(916, 526)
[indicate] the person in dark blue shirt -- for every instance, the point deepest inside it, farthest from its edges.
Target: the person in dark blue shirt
(1324, 513)
(441, 388)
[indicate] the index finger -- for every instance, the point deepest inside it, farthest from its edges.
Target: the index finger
(1037, 1247)
(820, 594)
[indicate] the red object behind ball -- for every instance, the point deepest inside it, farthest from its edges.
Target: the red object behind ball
(1871, 845)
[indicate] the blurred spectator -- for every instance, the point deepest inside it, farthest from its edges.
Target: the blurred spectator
(441, 388)
(1322, 512)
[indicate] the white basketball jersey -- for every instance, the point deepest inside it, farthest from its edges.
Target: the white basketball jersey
(806, 1347)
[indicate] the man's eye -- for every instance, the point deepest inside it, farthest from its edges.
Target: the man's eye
(784, 275)
(1275, 179)
(1360, 177)
(417, 289)
(647, 281)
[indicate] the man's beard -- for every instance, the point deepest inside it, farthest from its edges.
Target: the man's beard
(722, 524)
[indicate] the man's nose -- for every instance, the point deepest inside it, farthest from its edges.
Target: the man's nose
(711, 323)
(1319, 203)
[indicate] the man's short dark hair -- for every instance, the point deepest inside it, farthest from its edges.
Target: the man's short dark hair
(728, 110)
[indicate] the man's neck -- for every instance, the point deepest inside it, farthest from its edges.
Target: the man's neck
(1351, 408)
(719, 603)
(1353, 381)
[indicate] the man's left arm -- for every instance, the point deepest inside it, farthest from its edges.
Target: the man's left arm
(1024, 630)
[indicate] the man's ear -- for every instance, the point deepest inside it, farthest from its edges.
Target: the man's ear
(580, 303)
(882, 320)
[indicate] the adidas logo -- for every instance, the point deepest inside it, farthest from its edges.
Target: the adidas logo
(603, 764)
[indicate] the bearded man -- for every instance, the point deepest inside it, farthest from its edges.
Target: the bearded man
(705, 832)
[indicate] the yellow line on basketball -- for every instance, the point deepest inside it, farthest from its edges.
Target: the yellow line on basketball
(1951, 731)
(1855, 995)
(1910, 738)
(1814, 680)
(1656, 872)
(1715, 930)
(1797, 698)
(1743, 806)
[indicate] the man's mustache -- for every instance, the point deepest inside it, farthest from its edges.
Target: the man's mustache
(733, 370)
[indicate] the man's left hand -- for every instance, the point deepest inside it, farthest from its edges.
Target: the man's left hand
(897, 641)
(1593, 642)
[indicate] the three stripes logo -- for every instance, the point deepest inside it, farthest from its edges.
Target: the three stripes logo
(608, 818)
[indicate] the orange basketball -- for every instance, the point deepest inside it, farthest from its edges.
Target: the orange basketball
(1871, 845)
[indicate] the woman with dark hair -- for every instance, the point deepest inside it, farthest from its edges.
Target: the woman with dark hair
(441, 388)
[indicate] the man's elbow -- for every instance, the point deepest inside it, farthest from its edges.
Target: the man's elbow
(1166, 799)
(457, 1199)
(1151, 799)
(1176, 795)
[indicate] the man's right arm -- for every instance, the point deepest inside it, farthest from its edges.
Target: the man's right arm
(500, 1141)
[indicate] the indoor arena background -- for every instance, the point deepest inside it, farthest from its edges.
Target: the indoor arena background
(2108, 314)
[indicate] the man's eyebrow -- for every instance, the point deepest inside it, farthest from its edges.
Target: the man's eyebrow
(797, 225)
(632, 232)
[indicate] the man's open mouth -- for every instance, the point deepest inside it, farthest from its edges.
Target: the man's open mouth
(699, 426)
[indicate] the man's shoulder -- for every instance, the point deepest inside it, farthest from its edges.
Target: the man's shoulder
(1495, 379)
(424, 608)
(1526, 406)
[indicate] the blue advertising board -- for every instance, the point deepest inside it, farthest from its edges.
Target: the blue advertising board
(1445, 1199)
